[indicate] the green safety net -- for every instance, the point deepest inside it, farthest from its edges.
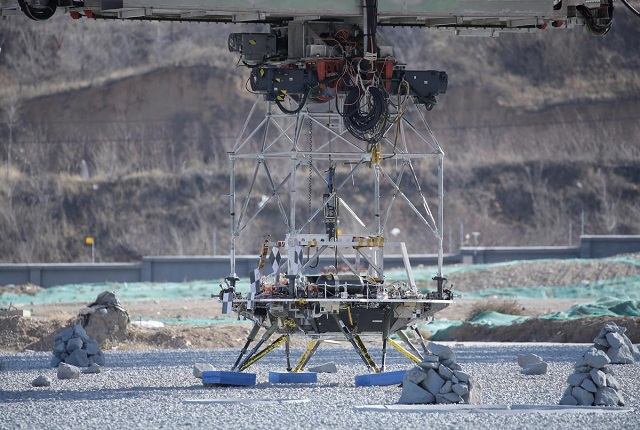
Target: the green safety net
(611, 297)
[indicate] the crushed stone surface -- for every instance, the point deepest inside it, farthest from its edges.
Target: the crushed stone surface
(152, 389)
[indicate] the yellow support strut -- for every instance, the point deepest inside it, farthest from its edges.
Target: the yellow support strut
(365, 353)
(264, 352)
(403, 351)
(312, 347)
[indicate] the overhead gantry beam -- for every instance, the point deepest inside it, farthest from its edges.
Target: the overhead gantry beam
(486, 16)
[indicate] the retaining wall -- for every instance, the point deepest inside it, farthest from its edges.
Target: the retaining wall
(180, 269)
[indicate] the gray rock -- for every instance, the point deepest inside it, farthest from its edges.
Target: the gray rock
(98, 359)
(430, 358)
(198, 368)
(79, 331)
(55, 360)
(415, 375)
(601, 340)
(65, 334)
(611, 327)
(526, 360)
(446, 388)
(595, 358)
(616, 340)
(442, 351)
(93, 368)
(608, 370)
(568, 400)
(606, 396)
(445, 373)
(107, 298)
(575, 379)
(612, 382)
(59, 347)
(73, 344)
(601, 347)
(67, 371)
(426, 365)
(474, 397)
(598, 377)
(414, 394)
(535, 369)
(462, 377)
(433, 383)
(324, 368)
(448, 398)
(92, 347)
(621, 355)
(589, 385)
(451, 364)
(583, 397)
(582, 369)
(41, 381)
(78, 358)
(460, 389)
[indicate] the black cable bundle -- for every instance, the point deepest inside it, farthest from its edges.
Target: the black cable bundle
(40, 12)
(592, 25)
(366, 119)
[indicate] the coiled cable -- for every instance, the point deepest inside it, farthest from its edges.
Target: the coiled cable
(366, 113)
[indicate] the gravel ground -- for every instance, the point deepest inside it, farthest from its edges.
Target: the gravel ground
(148, 389)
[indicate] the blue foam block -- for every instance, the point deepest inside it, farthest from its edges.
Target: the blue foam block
(219, 377)
(293, 377)
(384, 378)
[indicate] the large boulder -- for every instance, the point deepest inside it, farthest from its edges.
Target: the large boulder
(105, 319)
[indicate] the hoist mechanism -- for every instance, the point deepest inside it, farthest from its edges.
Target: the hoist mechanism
(325, 62)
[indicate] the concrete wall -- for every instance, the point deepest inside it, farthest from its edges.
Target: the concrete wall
(589, 247)
(161, 269)
(607, 246)
(499, 254)
(179, 269)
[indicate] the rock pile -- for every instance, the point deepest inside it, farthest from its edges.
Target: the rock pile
(616, 344)
(438, 379)
(532, 364)
(593, 383)
(74, 346)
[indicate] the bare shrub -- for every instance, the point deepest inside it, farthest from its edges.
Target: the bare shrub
(507, 307)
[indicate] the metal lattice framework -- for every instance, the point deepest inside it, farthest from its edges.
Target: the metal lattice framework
(280, 142)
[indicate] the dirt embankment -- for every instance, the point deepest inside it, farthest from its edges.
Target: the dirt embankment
(37, 332)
